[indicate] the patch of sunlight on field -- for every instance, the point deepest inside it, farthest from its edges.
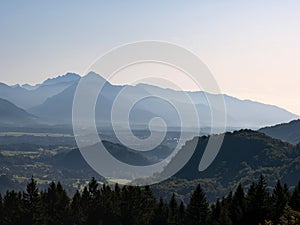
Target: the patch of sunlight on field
(14, 153)
(119, 181)
(17, 134)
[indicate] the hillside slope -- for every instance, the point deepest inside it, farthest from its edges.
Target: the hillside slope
(244, 156)
(11, 114)
(289, 132)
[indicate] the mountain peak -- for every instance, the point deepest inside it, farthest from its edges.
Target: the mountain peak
(68, 77)
(30, 87)
(3, 85)
(93, 74)
(15, 86)
(96, 77)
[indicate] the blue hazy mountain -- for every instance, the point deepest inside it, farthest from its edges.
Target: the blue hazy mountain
(10, 114)
(67, 78)
(52, 102)
(29, 96)
(240, 113)
(58, 108)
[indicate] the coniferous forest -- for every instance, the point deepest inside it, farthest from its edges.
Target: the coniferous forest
(134, 205)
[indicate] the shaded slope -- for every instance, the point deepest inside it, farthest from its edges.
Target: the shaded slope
(289, 132)
(11, 114)
(245, 154)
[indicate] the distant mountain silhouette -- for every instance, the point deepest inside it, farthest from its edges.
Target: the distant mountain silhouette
(240, 113)
(52, 102)
(29, 96)
(11, 114)
(67, 78)
(58, 109)
(289, 132)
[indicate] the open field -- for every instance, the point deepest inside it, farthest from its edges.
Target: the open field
(18, 134)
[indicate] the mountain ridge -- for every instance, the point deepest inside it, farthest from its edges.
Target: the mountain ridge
(34, 95)
(289, 132)
(244, 155)
(11, 114)
(240, 113)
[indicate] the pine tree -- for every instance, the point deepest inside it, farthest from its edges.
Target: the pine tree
(295, 198)
(116, 203)
(215, 214)
(1, 210)
(12, 208)
(95, 203)
(279, 201)
(197, 210)
(161, 214)
(258, 208)
(62, 202)
(106, 205)
(238, 206)
(134, 205)
(126, 208)
(32, 204)
(55, 204)
(93, 188)
(173, 211)
(226, 204)
(147, 202)
(76, 211)
(181, 213)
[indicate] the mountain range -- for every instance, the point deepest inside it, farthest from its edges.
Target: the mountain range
(27, 96)
(52, 102)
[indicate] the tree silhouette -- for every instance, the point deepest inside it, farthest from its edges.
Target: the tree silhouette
(133, 205)
(32, 204)
(295, 198)
(197, 210)
(279, 201)
(173, 211)
(238, 206)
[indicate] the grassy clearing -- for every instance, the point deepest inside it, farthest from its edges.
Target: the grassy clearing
(119, 181)
(14, 153)
(17, 134)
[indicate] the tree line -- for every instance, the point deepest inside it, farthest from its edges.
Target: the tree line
(134, 205)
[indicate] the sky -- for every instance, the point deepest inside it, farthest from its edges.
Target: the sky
(251, 47)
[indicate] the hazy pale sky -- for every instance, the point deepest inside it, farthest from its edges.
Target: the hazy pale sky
(251, 47)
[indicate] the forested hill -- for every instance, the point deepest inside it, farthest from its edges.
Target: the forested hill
(243, 156)
(289, 132)
(133, 205)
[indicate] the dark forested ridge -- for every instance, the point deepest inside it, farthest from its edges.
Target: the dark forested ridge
(134, 205)
(289, 132)
(244, 155)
